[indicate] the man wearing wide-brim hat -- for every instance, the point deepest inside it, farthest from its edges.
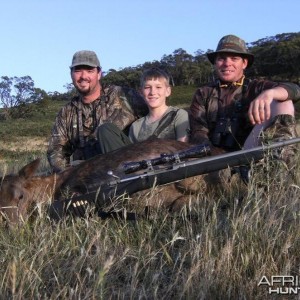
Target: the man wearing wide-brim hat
(232, 44)
(232, 112)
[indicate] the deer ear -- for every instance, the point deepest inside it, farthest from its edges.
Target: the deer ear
(29, 170)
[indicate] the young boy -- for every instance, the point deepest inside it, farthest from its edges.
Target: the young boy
(162, 121)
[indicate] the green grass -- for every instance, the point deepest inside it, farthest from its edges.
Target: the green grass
(182, 96)
(38, 124)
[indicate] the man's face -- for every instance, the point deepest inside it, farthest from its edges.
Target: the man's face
(86, 79)
(229, 67)
(155, 92)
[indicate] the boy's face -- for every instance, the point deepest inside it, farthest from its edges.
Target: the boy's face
(155, 92)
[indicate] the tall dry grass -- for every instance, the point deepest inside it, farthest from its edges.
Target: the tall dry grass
(218, 247)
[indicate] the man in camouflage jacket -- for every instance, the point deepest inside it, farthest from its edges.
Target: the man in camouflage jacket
(232, 112)
(235, 112)
(75, 130)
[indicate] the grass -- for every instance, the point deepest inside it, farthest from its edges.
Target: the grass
(218, 247)
(15, 133)
(220, 253)
(37, 125)
(182, 96)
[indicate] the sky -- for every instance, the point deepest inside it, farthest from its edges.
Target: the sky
(39, 37)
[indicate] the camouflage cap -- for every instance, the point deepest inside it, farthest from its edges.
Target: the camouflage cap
(232, 44)
(85, 58)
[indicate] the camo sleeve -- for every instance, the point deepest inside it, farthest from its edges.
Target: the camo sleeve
(292, 89)
(124, 106)
(59, 148)
(198, 119)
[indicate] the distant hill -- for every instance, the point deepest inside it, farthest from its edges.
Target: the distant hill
(276, 57)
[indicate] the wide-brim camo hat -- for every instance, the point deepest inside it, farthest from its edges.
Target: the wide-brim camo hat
(232, 44)
(85, 58)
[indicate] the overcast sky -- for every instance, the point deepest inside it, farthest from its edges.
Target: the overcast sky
(39, 37)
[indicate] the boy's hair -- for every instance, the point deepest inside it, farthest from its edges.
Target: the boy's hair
(154, 73)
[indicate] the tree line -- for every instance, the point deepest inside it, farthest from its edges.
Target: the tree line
(276, 58)
(18, 96)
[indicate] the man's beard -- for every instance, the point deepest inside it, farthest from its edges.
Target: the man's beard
(83, 91)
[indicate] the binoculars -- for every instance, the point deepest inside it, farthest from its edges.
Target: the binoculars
(224, 133)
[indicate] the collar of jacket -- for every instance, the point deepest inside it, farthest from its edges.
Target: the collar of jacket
(77, 101)
(235, 83)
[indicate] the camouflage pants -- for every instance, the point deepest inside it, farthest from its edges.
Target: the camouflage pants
(282, 127)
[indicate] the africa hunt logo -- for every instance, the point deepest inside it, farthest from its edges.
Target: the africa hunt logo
(281, 284)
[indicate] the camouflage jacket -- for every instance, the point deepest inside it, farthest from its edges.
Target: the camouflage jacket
(76, 122)
(213, 102)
